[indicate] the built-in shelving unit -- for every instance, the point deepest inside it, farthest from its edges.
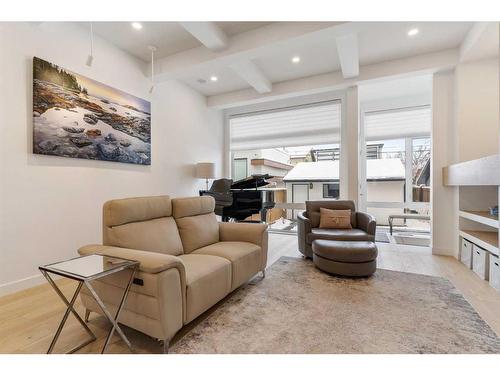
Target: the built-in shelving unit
(482, 217)
(485, 239)
(478, 172)
(478, 183)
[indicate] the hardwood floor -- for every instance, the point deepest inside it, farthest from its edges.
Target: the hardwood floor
(28, 319)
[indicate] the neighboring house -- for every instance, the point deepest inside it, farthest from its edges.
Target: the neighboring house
(320, 180)
(272, 161)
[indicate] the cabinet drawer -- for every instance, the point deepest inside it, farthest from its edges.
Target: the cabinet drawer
(466, 252)
(480, 262)
(495, 272)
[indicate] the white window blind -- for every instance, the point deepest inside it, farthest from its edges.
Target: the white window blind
(401, 123)
(296, 126)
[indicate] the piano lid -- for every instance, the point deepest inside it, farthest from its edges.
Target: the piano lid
(252, 182)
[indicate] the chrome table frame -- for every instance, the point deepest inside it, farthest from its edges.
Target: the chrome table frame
(128, 264)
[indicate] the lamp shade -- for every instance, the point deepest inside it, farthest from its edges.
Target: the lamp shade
(205, 170)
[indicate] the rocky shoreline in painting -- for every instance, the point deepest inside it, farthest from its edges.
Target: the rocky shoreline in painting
(70, 122)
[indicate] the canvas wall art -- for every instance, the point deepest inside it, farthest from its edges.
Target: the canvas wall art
(75, 116)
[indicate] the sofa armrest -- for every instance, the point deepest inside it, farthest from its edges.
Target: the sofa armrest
(366, 222)
(246, 232)
(149, 262)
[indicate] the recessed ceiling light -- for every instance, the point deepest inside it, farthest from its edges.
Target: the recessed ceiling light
(214, 78)
(413, 32)
(137, 25)
(201, 80)
(296, 59)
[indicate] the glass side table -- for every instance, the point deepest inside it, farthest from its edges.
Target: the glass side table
(84, 270)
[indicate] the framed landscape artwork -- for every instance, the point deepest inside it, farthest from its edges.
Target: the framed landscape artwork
(77, 117)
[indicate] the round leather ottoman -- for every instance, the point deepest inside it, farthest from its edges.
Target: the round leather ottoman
(345, 258)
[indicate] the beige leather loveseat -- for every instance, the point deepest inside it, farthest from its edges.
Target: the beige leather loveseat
(188, 260)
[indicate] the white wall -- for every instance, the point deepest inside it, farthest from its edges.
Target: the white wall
(444, 152)
(477, 119)
(49, 206)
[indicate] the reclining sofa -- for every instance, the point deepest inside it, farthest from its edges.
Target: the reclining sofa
(188, 260)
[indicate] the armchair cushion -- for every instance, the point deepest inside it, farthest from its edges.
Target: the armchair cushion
(245, 258)
(339, 235)
(313, 210)
(334, 219)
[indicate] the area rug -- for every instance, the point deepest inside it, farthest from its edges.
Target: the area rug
(299, 309)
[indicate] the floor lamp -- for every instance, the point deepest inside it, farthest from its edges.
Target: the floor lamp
(206, 171)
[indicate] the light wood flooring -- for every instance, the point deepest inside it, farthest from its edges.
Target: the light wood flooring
(28, 319)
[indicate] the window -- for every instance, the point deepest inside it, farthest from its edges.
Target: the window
(331, 191)
(311, 124)
(240, 170)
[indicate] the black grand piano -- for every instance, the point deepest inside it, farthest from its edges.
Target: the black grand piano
(241, 199)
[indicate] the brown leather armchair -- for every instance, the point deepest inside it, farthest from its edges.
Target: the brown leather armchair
(363, 225)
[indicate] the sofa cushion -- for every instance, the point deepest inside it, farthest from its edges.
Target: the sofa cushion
(157, 235)
(245, 258)
(196, 221)
(338, 235)
(208, 280)
(192, 206)
(130, 210)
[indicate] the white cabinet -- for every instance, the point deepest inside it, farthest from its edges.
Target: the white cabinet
(466, 252)
(480, 262)
(494, 272)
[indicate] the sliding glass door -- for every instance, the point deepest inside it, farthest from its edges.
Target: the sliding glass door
(395, 172)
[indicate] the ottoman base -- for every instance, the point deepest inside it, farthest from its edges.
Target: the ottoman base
(345, 268)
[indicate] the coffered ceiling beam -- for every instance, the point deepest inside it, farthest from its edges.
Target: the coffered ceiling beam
(269, 39)
(480, 42)
(347, 49)
(208, 33)
(399, 68)
(248, 71)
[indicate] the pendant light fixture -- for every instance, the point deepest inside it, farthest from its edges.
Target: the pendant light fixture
(90, 57)
(152, 49)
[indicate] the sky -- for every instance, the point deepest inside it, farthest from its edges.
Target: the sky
(101, 90)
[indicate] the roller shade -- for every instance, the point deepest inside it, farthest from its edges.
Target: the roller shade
(296, 126)
(401, 123)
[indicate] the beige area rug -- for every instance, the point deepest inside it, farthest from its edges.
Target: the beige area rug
(299, 309)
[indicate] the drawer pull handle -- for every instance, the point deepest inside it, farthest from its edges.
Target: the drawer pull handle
(496, 264)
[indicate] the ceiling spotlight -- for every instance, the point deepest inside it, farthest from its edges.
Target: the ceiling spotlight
(413, 32)
(214, 79)
(137, 25)
(296, 59)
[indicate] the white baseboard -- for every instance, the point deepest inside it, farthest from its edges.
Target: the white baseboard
(18, 285)
(446, 252)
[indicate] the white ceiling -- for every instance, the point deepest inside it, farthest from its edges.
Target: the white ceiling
(382, 41)
(377, 42)
(168, 37)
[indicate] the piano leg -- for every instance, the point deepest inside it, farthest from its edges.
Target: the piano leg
(263, 215)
